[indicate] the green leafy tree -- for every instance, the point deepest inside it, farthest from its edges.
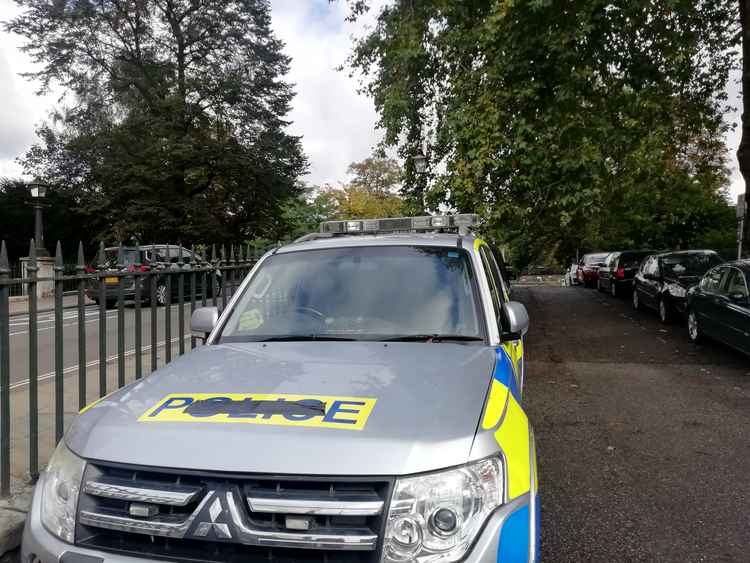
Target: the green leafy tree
(175, 117)
(377, 175)
(558, 119)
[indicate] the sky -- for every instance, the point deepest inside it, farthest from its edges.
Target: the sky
(337, 125)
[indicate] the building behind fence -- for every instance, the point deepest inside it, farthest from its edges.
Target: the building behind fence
(184, 279)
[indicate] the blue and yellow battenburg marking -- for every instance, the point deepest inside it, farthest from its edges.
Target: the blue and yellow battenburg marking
(347, 413)
(504, 409)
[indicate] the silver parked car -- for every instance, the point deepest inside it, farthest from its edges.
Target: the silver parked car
(359, 400)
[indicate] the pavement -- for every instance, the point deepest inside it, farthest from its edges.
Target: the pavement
(642, 437)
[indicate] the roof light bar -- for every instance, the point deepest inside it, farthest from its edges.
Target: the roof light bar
(401, 224)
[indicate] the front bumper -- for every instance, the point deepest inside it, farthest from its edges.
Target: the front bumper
(511, 535)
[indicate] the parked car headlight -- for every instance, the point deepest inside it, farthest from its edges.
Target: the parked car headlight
(677, 291)
(435, 517)
(62, 482)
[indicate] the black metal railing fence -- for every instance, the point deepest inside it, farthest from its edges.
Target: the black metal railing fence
(184, 280)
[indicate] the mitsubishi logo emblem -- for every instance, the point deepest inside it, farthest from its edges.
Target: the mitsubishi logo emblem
(221, 530)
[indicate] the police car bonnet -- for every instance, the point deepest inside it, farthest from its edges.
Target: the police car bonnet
(354, 408)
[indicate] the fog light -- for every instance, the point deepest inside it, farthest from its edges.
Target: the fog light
(444, 522)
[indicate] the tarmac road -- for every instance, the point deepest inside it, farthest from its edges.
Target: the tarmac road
(643, 438)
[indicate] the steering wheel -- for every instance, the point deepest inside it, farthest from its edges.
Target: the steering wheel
(309, 311)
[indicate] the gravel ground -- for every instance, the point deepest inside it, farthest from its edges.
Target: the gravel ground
(643, 438)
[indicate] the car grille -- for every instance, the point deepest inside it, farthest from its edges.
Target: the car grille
(191, 516)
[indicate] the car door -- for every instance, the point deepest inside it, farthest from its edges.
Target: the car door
(734, 313)
(706, 301)
(500, 295)
(649, 282)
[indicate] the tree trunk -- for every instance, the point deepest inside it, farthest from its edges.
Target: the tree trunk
(743, 152)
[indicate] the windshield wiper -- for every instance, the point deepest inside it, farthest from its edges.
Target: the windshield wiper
(432, 338)
(305, 338)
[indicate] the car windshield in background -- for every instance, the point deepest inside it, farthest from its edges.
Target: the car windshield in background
(358, 293)
(632, 260)
(689, 265)
(111, 256)
(591, 259)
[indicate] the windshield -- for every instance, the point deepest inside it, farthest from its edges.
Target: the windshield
(591, 259)
(362, 293)
(688, 265)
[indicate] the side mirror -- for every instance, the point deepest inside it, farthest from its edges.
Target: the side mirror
(740, 298)
(203, 321)
(517, 319)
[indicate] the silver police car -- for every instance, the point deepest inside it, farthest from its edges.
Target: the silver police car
(359, 400)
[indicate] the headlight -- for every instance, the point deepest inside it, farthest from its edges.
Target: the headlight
(677, 291)
(436, 517)
(62, 482)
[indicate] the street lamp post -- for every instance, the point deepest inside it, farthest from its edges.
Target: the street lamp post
(38, 193)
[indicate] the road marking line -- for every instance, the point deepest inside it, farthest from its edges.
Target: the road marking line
(92, 363)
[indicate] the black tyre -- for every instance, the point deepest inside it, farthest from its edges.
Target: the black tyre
(665, 311)
(694, 330)
(636, 300)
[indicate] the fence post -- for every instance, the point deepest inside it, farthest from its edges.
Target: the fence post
(4, 372)
(193, 264)
(137, 281)
(81, 272)
(181, 299)
(214, 276)
(120, 317)
(59, 397)
(168, 307)
(32, 268)
(102, 322)
(152, 290)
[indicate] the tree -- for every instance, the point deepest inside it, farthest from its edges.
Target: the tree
(63, 220)
(743, 151)
(546, 116)
(377, 175)
(175, 123)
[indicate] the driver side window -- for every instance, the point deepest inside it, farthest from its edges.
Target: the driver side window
(735, 285)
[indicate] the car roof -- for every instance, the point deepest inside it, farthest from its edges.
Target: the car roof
(683, 252)
(743, 264)
(448, 240)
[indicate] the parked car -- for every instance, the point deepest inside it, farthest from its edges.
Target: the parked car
(719, 306)
(164, 257)
(616, 276)
(663, 279)
(588, 268)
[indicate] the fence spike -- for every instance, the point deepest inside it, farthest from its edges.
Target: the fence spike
(213, 253)
(4, 264)
(120, 257)
(192, 254)
(58, 257)
(81, 263)
(231, 253)
(240, 253)
(180, 263)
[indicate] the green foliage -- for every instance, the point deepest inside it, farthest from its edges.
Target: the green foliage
(566, 123)
(63, 220)
(175, 123)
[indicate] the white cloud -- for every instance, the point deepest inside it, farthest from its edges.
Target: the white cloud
(337, 124)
